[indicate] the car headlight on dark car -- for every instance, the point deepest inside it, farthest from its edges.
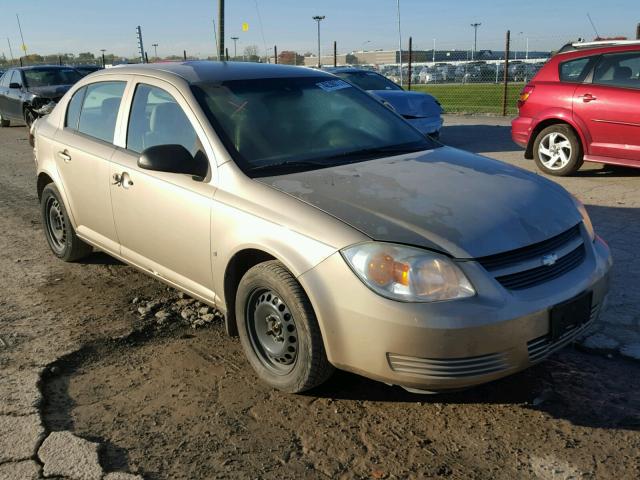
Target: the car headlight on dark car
(407, 274)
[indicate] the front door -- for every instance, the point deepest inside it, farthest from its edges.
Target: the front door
(163, 219)
(83, 148)
(610, 106)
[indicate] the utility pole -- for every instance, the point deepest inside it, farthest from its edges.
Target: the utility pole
(235, 50)
(475, 39)
(103, 62)
(400, 41)
(10, 50)
(155, 49)
(24, 45)
(638, 32)
(140, 44)
(221, 50)
(319, 18)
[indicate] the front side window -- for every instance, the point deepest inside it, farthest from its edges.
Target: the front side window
(303, 122)
(618, 70)
(46, 77)
(576, 71)
(100, 110)
(73, 110)
(4, 81)
(157, 119)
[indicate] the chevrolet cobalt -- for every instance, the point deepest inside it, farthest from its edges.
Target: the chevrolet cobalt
(329, 231)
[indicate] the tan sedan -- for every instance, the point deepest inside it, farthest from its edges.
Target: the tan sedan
(328, 230)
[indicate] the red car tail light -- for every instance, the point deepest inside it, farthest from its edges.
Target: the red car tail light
(525, 94)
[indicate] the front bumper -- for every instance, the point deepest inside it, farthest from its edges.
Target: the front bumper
(427, 125)
(446, 345)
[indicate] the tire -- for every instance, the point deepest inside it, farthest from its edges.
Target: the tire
(4, 122)
(557, 150)
(59, 232)
(279, 331)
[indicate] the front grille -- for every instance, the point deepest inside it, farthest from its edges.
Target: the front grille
(524, 267)
(541, 347)
(448, 368)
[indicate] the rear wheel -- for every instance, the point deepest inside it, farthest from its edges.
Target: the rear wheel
(558, 151)
(4, 122)
(279, 331)
(61, 236)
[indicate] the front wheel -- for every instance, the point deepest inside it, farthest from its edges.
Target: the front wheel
(557, 150)
(61, 236)
(279, 331)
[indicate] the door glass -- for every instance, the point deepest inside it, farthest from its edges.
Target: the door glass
(4, 81)
(619, 70)
(157, 119)
(100, 109)
(16, 78)
(73, 111)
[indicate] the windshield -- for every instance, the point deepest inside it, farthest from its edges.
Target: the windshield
(277, 125)
(46, 77)
(369, 80)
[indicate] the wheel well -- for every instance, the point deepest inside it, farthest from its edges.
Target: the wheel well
(239, 264)
(43, 181)
(541, 126)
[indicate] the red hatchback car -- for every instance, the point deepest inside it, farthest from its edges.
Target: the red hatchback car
(583, 105)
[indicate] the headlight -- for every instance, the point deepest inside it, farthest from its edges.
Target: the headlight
(586, 220)
(407, 274)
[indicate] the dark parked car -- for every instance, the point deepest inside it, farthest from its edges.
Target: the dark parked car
(420, 109)
(87, 69)
(27, 93)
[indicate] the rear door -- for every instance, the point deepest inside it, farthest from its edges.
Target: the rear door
(4, 91)
(83, 148)
(610, 106)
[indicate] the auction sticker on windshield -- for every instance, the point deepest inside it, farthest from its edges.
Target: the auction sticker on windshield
(331, 85)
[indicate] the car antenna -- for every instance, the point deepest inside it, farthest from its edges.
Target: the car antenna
(593, 25)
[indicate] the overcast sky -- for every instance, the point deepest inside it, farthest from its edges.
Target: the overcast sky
(74, 26)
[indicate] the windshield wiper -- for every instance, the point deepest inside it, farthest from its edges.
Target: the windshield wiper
(389, 150)
(289, 164)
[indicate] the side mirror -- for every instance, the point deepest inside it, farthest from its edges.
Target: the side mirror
(173, 159)
(15, 85)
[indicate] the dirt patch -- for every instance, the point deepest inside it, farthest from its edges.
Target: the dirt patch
(182, 403)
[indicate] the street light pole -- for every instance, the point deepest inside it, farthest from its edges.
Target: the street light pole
(235, 50)
(155, 49)
(319, 18)
(103, 62)
(475, 38)
(400, 41)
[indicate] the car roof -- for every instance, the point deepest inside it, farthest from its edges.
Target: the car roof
(197, 71)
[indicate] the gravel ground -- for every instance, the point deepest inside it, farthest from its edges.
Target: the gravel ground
(110, 355)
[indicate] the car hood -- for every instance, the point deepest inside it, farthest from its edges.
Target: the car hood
(444, 199)
(52, 91)
(413, 104)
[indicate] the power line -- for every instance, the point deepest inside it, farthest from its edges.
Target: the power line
(264, 42)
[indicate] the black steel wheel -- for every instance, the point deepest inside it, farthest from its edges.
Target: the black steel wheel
(278, 329)
(59, 232)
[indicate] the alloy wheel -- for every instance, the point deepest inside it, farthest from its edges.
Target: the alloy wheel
(555, 151)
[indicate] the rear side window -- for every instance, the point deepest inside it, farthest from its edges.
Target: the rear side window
(618, 70)
(73, 110)
(157, 119)
(100, 110)
(575, 70)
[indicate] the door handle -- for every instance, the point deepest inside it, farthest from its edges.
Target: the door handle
(587, 97)
(122, 180)
(64, 155)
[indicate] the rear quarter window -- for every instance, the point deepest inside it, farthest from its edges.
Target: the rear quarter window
(576, 71)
